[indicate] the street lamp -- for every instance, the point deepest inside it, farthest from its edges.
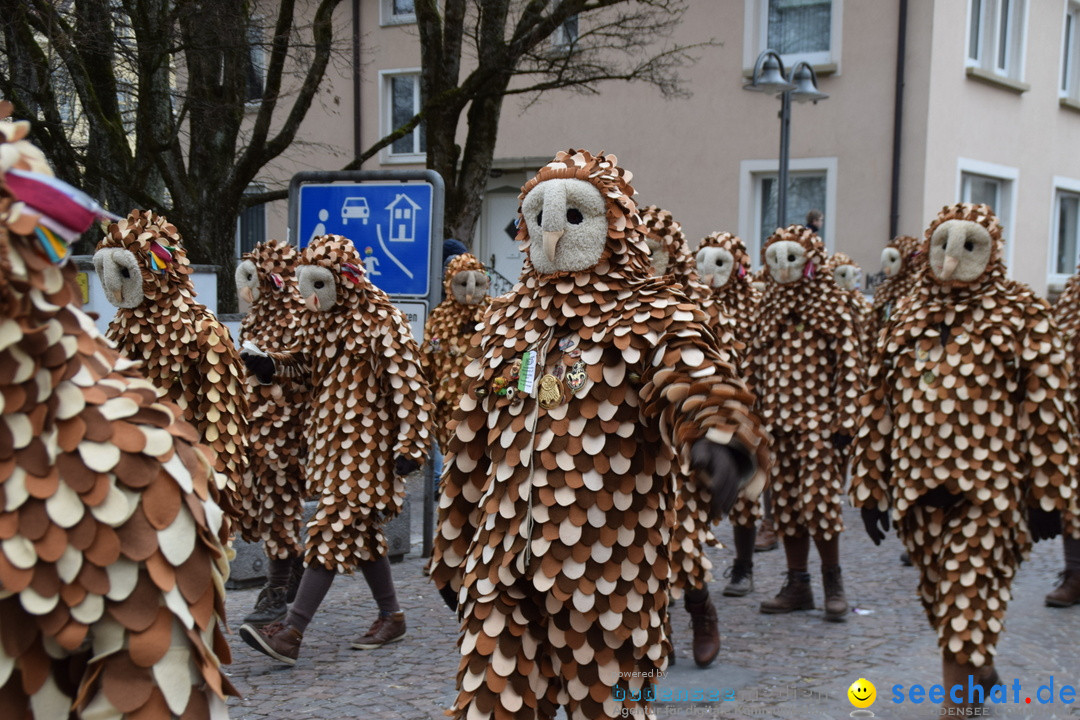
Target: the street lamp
(800, 85)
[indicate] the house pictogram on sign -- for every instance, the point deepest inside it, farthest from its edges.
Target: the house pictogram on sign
(402, 218)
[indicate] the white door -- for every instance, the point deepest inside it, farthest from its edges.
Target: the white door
(498, 250)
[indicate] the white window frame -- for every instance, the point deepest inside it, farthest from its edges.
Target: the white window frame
(989, 47)
(1060, 185)
(750, 172)
(1010, 178)
(1069, 82)
(756, 38)
(388, 17)
(386, 112)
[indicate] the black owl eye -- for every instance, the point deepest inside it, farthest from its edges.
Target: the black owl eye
(124, 272)
(943, 243)
(319, 284)
(574, 216)
(968, 245)
(791, 258)
(720, 263)
(540, 218)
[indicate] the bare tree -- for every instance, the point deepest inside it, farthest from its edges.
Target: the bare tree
(526, 48)
(143, 102)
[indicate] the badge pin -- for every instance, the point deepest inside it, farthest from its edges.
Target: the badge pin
(576, 377)
(550, 393)
(567, 343)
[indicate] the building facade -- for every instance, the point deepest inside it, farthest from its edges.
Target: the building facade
(989, 111)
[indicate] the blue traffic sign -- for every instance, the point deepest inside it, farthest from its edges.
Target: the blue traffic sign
(390, 224)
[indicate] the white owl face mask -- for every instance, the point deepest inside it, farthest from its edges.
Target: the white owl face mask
(786, 260)
(715, 265)
(567, 224)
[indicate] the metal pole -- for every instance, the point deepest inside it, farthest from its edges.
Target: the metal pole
(785, 140)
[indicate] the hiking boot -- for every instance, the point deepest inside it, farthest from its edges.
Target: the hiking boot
(706, 630)
(1067, 592)
(766, 537)
(387, 629)
(278, 640)
(742, 579)
(269, 607)
(794, 595)
(836, 606)
(296, 573)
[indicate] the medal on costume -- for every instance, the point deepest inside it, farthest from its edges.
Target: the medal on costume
(550, 393)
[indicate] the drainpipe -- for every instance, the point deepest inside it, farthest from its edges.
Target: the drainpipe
(357, 139)
(898, 120)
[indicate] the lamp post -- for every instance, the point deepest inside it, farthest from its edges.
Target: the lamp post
(800, 85)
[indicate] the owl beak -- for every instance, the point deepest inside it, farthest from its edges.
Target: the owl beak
(887, 270)
(312, 302)
(247, 295)
(551, 241)
(117, 296)
(948, 266)
(470, 290)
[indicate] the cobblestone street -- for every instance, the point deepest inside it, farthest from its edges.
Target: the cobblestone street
(785, 666)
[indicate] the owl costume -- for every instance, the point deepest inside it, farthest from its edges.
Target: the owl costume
(274, 503)
(901, 262)
(587, 388)
(446, 336)
(1067, 316)
(671, 258)
(846, 274)
(111, 566)
(967, 436)
(735, 297)
(805, 368)
(181, 347)
(368, 425)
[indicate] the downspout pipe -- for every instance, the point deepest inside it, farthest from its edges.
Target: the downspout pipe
(898, 120)
(357, 138)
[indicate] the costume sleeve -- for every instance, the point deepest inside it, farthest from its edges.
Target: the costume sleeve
(1047, 414)
(871, 461)
(398, 366)
(466, 468)
(697, 394)
(221, 407)
(848, 378)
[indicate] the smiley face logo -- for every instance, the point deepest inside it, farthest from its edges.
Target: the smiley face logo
(862, 693)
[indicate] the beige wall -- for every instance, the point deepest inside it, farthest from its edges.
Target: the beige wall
(1028, 131)
(686, 154)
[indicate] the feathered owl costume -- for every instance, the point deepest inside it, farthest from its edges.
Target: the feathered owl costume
(447, 332)
(902, 260)
(966, 430)
(370, 403)
(723, 264)
(804, 366)
(274, 503)
(846, 274)
(587, 388)
(181, 347)
(111, 568)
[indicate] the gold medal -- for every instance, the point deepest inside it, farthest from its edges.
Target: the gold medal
(550, 393)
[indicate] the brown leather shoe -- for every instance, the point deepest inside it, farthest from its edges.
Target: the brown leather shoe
(766, 537)
(1067, 592)
(836, 606)
(386, 629)
(706, 629)
(795, 595)
(278, 640)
